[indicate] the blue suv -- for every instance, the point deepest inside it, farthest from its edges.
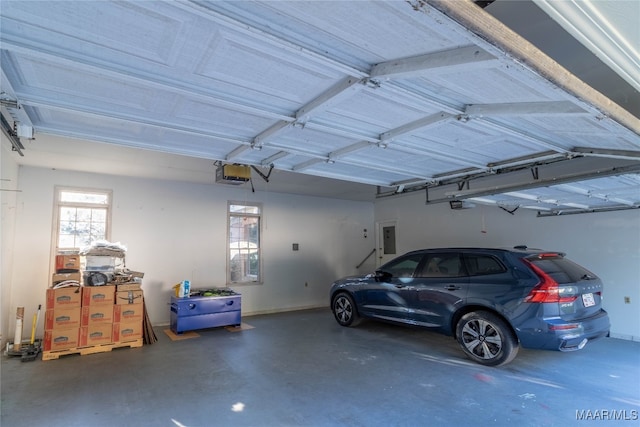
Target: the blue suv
(491, 300)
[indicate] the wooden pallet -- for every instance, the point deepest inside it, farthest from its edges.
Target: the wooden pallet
(93, 349)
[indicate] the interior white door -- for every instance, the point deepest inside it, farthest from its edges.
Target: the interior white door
(386, 242)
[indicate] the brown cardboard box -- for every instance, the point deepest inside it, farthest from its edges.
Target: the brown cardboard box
(94, 295)
(128, 312)
(62, 277)
(60, 339)
(129, 297)
(126, 331)
(62, 318)
(96, 334)
(129, 287)
(96, 314)
(64, 297)
(67, 263)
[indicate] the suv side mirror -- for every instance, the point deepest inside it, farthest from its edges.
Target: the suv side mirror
(383, 276)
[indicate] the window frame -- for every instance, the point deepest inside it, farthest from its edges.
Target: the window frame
(59, 204)
(260, 215)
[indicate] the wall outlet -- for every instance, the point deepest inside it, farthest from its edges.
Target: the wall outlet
(627, 300)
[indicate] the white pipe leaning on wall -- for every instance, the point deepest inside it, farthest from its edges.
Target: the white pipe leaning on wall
(17, 340)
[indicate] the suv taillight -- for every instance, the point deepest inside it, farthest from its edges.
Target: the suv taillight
(547, 290)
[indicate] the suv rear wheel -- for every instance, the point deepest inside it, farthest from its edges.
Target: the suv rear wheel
(486, 338)
(344, 310)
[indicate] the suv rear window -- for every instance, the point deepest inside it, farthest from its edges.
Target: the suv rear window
(562, 270)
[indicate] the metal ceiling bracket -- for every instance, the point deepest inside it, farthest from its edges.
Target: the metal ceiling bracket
(419, 124)
(305, 165)
(524, 108)
(236, 152)
(347, 87)
(418, 65)
(9, 103)
(16, 145)
(564, 212)
(371, 83)
(349, 149)
(270, 160)
(556, 173)
(270, 132)
(613, 154)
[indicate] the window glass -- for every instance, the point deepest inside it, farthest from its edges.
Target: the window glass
(442, 265)
(79, 196)
(563, 270)
(404, 266)
(82, 217)
(244, 243)
(248, 209)
(480, 264)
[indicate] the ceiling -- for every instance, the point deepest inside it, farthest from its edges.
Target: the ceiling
(384, 97)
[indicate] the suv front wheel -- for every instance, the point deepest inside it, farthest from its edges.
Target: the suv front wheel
(344, 310)
(486, 338)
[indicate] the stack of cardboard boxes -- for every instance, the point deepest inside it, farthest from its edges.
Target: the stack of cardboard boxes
(67, 269)
(128, 312)
(62, 315)
(62, 319)
(84, 316)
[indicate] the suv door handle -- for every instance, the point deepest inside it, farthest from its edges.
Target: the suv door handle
(452, 287)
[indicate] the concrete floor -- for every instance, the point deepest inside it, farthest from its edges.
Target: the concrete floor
(302, 369)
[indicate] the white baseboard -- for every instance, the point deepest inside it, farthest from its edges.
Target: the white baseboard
(261, 312)
(625, 337)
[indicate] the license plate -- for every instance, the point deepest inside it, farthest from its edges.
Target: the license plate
(588, 300)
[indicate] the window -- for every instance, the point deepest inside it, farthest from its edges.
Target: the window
(562, 270)
(480, 265)
(442, 265)
(403, 266)
(244, 243)
(81, 217)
